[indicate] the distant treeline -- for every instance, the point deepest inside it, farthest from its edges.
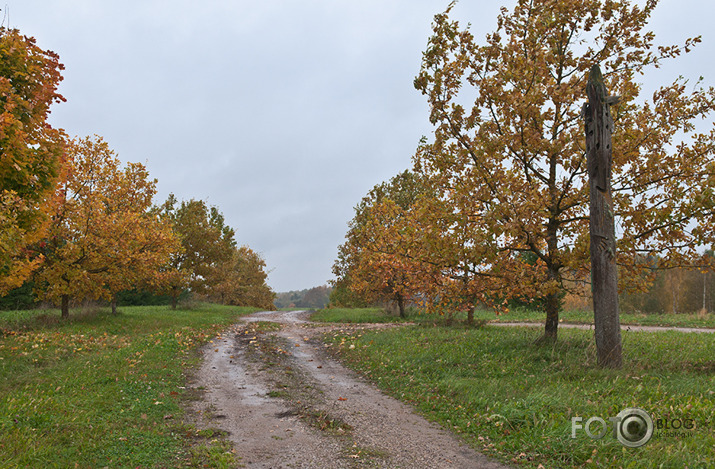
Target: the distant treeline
(663, 291)
(313, 298)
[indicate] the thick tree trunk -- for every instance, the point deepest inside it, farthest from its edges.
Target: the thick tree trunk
(65, 306)
(553, 299)
(174, 297)
(553, 308)
(470, 315)
(114, 305)
(401, 305)
(604, 276)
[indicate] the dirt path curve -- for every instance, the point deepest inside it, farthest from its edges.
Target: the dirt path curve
(287, 404)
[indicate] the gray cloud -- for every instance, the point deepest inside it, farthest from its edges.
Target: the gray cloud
(281, 113)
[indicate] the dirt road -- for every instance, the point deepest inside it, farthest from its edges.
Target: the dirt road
(287, 404)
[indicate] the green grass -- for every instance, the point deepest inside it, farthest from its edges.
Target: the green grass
(586, 317)
(210, 448)
(355, 315)
(99, 390)
(362, 315)
(514, 399)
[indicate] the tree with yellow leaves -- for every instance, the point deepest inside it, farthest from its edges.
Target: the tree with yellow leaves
(104, 236)
(207, 243)
(509, 147)
(379, 260)
(241, 280)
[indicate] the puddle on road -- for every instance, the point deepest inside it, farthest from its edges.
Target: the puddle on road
(228, 372)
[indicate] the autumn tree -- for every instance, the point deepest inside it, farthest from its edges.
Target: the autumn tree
(376, 260)
(241, 280)
(29, 150)
(442, 237)
(341, 296)
(509, 148)
(207, 244)
(104, 236)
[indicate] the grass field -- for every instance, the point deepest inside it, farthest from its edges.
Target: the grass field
(514, 399)
(358, 315)
(586, 317)
(100, 390)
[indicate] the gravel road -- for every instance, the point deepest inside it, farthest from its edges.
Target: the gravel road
(287, 404)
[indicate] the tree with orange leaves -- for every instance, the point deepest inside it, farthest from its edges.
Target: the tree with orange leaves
(29, 150)
(378, 261)
(509, 147)
(443, 235)
(207, 244)
(104, 236)
(241, 280)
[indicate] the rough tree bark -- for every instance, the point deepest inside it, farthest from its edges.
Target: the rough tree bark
(174, 297)
(401, 305)
(65, 306)
(604, 276)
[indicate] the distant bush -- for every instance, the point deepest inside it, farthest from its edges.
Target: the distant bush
(146, 298)
(20, 298)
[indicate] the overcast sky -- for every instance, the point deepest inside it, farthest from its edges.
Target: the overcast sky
(282, 113)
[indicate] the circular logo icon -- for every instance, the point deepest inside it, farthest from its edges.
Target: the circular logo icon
(634, 427)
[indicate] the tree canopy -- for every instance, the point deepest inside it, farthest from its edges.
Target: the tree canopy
(104, 236)
(209, 262)
(509, 152)
(502, 213)
(29, 150)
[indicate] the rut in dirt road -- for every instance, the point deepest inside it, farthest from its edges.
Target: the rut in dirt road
(287, 404)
